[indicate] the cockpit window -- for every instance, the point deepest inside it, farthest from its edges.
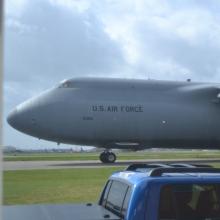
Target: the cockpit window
(65, 84)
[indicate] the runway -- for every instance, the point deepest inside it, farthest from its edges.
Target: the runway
(38, 165)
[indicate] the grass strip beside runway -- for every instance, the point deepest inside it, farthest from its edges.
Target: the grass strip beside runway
(54, 186)
(172, 154)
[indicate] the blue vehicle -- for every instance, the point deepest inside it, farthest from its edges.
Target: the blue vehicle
(159, 192)
(142, 192)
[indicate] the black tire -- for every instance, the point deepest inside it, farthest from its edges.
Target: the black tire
(102, 157)
(107, 157)
(110, 157)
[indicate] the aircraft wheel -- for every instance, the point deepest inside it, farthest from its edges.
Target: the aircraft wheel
(102, 157)
(111, 157)
(107, 157)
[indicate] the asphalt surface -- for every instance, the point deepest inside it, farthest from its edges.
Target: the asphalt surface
(35, 165)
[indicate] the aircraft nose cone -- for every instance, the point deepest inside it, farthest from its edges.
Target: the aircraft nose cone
(13, 118)
(30, 116)
(22, 118)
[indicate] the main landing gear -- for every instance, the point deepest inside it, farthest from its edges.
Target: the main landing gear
(107, 157)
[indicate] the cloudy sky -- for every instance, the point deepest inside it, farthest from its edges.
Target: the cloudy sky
(47, 41)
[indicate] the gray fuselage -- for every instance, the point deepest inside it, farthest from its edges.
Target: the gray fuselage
(122, 113)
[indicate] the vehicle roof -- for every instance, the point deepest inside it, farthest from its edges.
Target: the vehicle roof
(135, 177)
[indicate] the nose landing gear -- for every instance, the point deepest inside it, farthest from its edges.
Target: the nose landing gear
(107, 157)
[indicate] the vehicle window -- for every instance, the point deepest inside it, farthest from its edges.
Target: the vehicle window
(126, 201)
(117, 200)
(104, 199)
(190, 201)
(166, 204)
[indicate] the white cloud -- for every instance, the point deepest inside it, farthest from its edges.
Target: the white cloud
(15, 7)
(185, 35)
(80, 6)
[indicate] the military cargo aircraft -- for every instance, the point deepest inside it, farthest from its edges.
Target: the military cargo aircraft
(124, 114)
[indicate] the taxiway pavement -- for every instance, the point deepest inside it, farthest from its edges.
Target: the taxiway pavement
(38, 165)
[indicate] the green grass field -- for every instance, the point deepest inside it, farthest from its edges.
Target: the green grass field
(54, 186)
(198, 154)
